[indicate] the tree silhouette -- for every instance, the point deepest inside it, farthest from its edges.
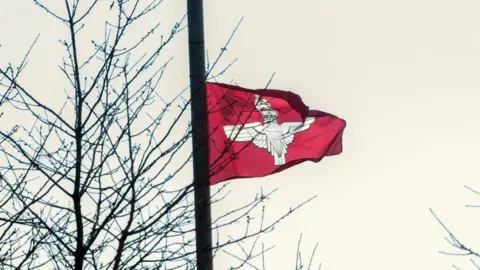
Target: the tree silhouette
(101, 180)
(460, 248)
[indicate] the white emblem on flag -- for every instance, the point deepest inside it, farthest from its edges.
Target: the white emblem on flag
(270, 135)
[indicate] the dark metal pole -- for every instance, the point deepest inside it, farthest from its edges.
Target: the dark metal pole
(203, 219)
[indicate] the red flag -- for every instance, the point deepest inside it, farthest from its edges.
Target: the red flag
(255, 133)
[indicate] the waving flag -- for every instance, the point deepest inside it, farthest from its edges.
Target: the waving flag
(255, 133)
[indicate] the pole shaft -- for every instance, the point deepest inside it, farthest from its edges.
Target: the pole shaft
(203, 220)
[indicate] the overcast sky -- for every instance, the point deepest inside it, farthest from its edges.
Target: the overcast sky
(405, 77)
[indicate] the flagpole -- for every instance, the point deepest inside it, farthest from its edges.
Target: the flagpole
(203, 219)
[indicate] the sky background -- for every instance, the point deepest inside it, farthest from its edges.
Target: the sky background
(403, 74)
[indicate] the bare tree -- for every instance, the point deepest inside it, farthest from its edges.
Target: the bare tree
(461, 249)
(98, 181)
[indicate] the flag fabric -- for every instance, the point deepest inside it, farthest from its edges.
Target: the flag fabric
(255, 133)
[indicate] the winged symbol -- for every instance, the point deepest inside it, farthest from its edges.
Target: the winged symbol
(270, 135)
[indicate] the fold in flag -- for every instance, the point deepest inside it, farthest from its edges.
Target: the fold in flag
(255, 133)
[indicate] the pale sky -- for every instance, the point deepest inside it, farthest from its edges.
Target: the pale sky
(403, 74)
